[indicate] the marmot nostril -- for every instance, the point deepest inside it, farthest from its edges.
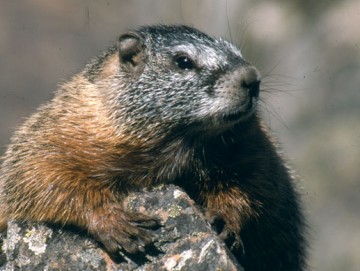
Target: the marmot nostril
(253, 88)
(251, 81)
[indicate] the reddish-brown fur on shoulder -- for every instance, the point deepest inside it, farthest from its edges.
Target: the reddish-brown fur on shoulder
(69, 145)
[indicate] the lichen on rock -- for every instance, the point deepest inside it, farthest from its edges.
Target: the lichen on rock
(184, 242)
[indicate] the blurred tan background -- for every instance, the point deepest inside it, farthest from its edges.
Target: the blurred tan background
(308, 52)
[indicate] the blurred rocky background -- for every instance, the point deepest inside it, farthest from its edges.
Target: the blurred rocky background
(309, 55)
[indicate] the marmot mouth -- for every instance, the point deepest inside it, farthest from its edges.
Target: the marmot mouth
(243, 112)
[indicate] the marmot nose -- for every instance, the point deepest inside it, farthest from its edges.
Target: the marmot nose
(250, 81)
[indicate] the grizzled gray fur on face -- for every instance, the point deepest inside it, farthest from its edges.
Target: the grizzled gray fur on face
(178, 76)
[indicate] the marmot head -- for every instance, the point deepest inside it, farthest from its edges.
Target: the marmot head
(172, 77)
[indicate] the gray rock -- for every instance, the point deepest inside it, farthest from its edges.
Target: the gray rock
(184, 242)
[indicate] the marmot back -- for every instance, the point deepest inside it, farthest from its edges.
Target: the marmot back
(166, 104)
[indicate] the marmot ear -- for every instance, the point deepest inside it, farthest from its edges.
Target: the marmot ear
(131, 47)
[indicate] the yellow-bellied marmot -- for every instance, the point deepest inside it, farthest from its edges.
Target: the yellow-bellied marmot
(166, 104)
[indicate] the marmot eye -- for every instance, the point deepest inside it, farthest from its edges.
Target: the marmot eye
(184, 62)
